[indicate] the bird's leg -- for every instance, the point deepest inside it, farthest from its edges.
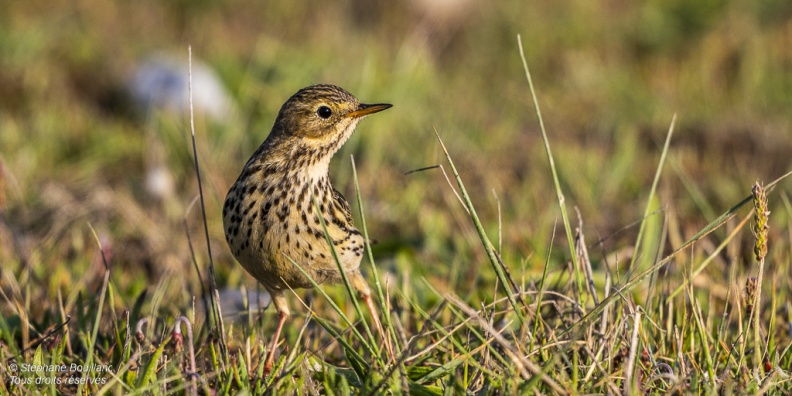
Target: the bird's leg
(279, 300)
(370, 304)
(357, 281)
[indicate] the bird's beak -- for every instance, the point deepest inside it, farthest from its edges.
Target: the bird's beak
(366, 109)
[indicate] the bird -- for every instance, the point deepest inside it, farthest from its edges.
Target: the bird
(271, 214)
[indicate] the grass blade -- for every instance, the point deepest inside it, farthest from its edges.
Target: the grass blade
(374, 272)
(212, 278)
(652, 191)
(497, 265)
(97, 321)
(372, 345)
(559, 193)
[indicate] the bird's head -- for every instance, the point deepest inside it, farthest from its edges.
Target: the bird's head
(322, 117)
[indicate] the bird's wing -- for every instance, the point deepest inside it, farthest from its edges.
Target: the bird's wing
(344, 206)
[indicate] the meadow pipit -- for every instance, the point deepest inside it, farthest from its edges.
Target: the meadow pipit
(269, 214)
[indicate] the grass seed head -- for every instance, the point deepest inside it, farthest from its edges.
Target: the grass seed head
(760, 219)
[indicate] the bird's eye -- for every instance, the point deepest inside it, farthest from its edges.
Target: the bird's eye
(324, 112)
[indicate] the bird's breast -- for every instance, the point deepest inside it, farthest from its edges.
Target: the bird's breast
(271, 221)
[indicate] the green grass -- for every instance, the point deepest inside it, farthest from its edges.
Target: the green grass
(578, 249)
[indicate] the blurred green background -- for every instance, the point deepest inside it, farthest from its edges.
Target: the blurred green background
(76, 149)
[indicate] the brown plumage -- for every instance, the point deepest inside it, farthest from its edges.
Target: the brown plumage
(269, 214)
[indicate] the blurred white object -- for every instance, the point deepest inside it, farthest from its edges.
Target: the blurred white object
(159, 182)
(232, 302)
(162, 82)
